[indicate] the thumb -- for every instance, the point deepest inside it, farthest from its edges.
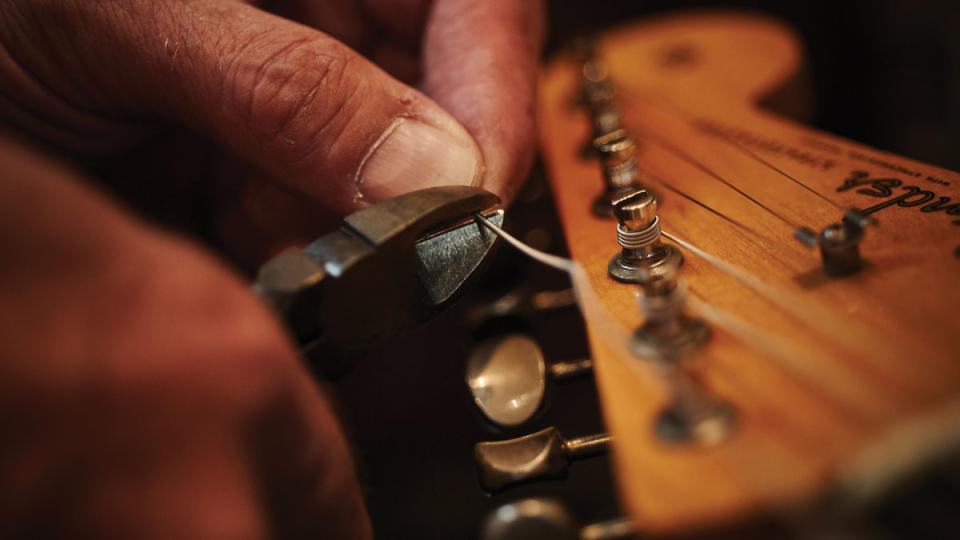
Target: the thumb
(301, 106)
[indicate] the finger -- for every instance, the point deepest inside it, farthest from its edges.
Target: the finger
(314, 492)
(480, 63)
(298, 104)
(219, 432)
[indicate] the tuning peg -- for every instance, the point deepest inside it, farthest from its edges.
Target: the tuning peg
(506, 377)
(643, 257)
(693, 416)
(618, 160)
(839, 243)
(547, 519)
(541, 455)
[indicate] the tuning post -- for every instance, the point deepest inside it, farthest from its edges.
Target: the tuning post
(839, 243)
(618, 159)
(597, 95)
(669, 333)
(643, 257)
(693, 416)
(541, 455)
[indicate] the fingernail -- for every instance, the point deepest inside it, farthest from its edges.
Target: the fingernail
(412, 155)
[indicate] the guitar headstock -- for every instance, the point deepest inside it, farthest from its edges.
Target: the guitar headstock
(811, 380)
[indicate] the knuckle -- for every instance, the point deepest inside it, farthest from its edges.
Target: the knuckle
(297, 97)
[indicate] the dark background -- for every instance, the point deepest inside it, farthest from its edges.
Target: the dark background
(884, 73)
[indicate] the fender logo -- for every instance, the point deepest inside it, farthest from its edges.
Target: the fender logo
(910, 197)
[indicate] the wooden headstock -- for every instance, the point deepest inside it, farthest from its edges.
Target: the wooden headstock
(839, 385)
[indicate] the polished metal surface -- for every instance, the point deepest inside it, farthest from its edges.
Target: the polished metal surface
(506, 377)
(541, 455)
(614, 529)
(548, 519)
(386, 269)
(444, 259)
(568, 371)
(618, 160)
(643, 257)
(530, 519)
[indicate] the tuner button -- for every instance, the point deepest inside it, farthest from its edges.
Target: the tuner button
(547, 519)
(531, 519)
(506, 377)
(541, 455)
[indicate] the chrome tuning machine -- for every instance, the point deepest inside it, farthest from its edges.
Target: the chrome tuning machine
(643, 258)
(506, 376)
(547, 519)
(618, 160)
(542, 455)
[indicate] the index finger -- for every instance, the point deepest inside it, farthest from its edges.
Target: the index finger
(480, 64)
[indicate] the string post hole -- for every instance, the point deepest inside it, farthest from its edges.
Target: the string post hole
(668, 334)
(643, 258)
(839, 243)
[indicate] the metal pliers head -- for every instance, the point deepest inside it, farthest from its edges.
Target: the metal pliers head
(390, 266)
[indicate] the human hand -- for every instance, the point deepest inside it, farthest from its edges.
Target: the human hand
(144, 393)
(324, 128)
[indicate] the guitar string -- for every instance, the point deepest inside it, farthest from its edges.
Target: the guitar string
(825, 378)
(689, 159)
(617, 336)
(688, 117)
(756, 236)
(851, 337)
(846, 332)
(554, 261)
(701, 204)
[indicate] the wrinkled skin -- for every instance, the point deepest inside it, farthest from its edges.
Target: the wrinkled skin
(144, 391)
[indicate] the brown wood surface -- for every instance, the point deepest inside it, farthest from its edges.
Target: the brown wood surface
(839, 384)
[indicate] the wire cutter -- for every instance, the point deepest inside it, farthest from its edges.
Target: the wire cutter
(390, 266)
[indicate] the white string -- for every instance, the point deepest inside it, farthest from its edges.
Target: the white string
(838, 378)
(843, 331)
(560, 263)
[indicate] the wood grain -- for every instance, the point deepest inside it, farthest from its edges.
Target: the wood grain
(821, 371)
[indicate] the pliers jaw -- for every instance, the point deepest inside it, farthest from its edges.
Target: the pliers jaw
(389, 267)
